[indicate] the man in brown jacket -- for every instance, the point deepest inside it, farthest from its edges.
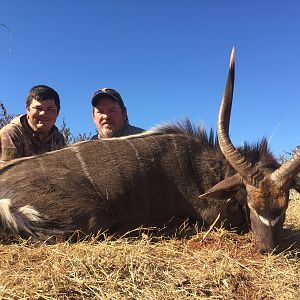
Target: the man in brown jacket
(34, 132)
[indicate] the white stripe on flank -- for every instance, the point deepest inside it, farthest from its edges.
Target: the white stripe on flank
(87, 173)
(85, 169)
(42, 165)
(176, 152)
(82, 163)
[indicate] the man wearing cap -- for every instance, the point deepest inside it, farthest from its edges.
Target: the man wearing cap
(110, 115)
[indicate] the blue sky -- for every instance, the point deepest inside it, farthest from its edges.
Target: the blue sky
(168, 59)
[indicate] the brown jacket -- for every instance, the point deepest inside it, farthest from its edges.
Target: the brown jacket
(17, 139)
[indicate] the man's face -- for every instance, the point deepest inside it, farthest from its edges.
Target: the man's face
(109, 117)
(42, 115)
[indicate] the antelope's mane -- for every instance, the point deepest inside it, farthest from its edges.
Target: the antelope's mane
(254, 152)
(186, 127)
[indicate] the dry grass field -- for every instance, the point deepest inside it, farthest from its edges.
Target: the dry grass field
(215, 264)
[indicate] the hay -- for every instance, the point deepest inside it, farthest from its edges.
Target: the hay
(218, 265)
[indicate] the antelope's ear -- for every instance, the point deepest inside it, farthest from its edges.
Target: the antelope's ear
(225, 189)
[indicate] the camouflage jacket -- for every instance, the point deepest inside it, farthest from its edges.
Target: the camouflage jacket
(127, 130)
(18, 139)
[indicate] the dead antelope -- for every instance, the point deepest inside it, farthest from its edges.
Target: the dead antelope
(120, 184)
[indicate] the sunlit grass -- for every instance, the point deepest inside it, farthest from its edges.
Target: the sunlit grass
(217, 265)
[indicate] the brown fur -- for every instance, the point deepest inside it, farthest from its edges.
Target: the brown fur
(109, 185)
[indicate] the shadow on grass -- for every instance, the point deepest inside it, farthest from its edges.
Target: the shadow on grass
(177, 228)
(291, 240)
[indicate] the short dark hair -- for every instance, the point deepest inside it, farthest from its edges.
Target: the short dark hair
(43, 92)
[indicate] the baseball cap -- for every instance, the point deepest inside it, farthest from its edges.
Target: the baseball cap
(107, 92)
